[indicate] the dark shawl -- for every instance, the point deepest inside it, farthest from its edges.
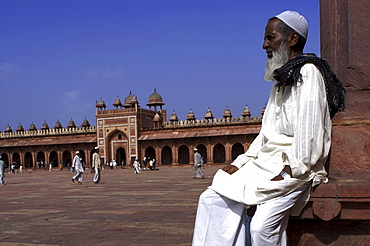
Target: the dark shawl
(289, 74)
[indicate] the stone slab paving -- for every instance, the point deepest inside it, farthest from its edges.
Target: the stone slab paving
(150, 208)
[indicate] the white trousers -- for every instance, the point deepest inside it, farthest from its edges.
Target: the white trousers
(78, 176)
(221, 221)
(96, 178)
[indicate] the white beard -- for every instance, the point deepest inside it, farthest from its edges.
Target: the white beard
(279, 58)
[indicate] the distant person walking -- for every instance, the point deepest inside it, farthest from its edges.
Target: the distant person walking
(96, 164)
(136, 166)
(77, 166)
(2, 175)
(197, 165)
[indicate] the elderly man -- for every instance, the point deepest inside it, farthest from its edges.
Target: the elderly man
(288, 155)
(77, 166)
(96, 164)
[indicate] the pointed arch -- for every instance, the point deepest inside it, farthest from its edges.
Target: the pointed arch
(219, 153)
(166, 156)
(183, 154)
(236, 150)
(28, 160)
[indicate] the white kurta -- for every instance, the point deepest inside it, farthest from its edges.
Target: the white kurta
(77, 164)
(296, 131)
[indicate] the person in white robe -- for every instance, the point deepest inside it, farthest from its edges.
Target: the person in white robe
(197, 165)
(96, 164)
(77, 165)
(286, 158)
(136, 166)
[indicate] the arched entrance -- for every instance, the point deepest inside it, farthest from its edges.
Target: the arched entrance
(183, 155)
(150, 152)
(5, 159)
(53, 159)
(166, 155)
(28, 162)
(66, 158)
(40, 158)
(203, 152)
(236, 150)
(121, 156)
(219, 153)
(16, 159)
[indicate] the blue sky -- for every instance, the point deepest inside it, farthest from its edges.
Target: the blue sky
(57, 58)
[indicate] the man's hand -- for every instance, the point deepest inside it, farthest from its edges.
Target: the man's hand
(230, 169)
(285, 169)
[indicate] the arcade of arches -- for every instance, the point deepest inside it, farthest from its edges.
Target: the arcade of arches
(128, 132)
(34, 158)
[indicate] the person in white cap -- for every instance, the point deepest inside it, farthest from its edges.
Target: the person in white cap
(289, 154)
(77, 166)
(96, 164)
(197, 165)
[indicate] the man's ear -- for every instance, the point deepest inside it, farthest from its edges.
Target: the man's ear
(293, 39)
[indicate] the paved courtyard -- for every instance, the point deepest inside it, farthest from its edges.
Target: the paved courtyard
(150, 208)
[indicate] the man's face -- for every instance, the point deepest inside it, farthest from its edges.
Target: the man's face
(273, 38)
(276, 48)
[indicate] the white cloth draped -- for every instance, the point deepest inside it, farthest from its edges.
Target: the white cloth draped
(296, 131)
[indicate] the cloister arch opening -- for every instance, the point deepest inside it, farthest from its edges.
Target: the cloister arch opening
(16, 159)
(53, 158)
(150, 152)
(202, 149)
(166, 155)
(5, 159)
(66, 158)
(183, 154)
(236, 150)
(40, 159)
(28, 160)
(219, 155)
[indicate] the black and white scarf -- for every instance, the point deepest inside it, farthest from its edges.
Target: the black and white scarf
(289, 74)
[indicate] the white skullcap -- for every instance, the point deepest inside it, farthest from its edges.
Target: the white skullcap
(195, 149)
(96, 147)
(77, 152)
(295, 21)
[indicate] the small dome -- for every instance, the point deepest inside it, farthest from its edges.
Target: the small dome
(58, 125)
(101, 104)
(133, 100)
(157, 118)
(190, 116)
(128, 100)
(155, 99)
(117, 103)
(71, 124)
(45, 126)
(85, 123)
(208, 114)
(174, 117)
(32, 127)
(246, 112)
(20, 128)
(263, 110)
(227, 113)
(8, 129)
